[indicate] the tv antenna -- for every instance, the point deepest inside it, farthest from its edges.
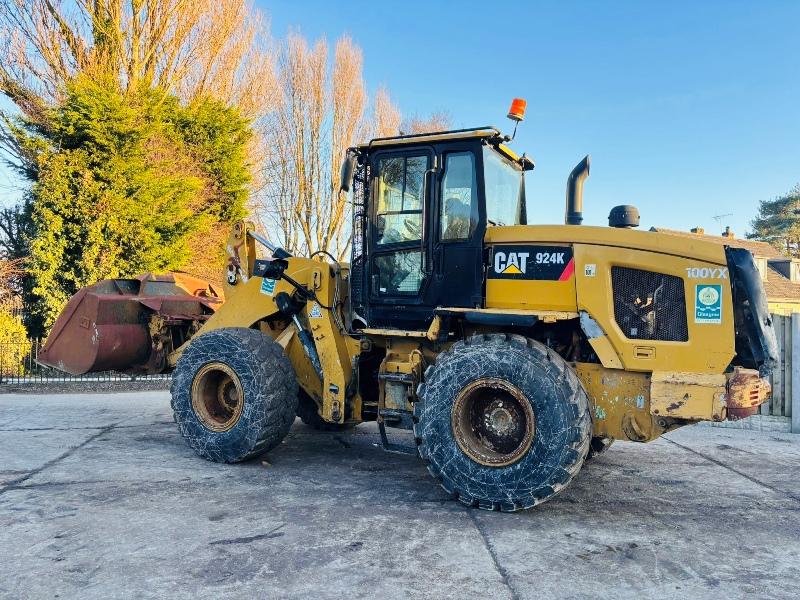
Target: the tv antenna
(718, 218)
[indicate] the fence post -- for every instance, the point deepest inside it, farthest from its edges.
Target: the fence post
(795, 373)
(775, 406)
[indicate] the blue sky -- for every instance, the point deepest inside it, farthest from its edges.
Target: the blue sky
(688, 109)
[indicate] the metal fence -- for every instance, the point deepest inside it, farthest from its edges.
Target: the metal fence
(14, 310)
(12, 306)
(785, 401)
(18, 366)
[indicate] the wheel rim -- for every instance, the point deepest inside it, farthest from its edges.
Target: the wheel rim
(493, 423)
(217, 397)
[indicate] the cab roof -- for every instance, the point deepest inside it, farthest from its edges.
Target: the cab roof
(491, 135)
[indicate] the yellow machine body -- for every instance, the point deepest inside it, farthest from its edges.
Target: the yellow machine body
(638, 388)
(514, 352)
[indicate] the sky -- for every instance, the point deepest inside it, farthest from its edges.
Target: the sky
(688, 109)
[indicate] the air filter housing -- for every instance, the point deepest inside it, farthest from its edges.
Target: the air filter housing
(624, 216)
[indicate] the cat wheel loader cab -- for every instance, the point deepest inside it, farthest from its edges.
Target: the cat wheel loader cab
(423, 205)
(514, 352)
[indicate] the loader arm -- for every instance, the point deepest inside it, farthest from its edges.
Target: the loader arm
(256, 297)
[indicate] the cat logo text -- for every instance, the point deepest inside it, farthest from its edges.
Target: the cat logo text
(513, 263)
(553, 263)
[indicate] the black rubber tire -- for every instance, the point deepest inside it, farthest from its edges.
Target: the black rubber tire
(269, 387)
(598, 446)
(561, 408)
(307, 411)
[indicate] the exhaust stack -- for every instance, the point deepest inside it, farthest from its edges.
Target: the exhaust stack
(574, 213)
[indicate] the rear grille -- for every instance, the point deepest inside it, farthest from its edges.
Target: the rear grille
(648, 305)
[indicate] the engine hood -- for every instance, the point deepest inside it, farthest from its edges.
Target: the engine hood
(651, 241)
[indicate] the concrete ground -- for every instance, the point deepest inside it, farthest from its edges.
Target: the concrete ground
(100, 498)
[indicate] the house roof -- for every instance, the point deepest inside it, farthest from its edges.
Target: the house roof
(778, 287)
(756, 248)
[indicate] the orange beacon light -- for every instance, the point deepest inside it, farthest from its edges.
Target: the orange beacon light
(517, 110)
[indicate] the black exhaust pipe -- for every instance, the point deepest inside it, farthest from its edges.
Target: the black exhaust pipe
(575, 181)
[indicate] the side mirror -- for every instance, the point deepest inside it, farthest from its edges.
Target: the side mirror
(347, 172)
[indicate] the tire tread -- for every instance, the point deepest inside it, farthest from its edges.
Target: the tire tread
(278, 398)
(581, 419)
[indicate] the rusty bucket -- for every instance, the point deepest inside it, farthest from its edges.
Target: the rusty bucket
(128, 325)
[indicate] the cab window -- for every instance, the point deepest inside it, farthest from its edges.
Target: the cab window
(399, 199)
(399, 273)
(458, 213)
(505, 195)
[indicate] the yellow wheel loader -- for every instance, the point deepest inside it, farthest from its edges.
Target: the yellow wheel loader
(513, 351)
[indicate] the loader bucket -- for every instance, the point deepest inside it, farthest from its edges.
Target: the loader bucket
(128, 325)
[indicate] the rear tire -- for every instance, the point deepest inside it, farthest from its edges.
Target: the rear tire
(234, 394)
(502, 422)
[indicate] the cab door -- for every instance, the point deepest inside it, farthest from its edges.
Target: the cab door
(398, 275)
(426, 239)
(459, 226)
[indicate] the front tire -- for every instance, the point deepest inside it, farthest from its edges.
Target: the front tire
(502, 422)
(234, 394)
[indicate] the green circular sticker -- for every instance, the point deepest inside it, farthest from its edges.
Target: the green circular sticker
(708, 296)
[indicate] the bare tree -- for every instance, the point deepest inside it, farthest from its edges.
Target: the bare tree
(438, 121)
(386, 115)
(193, 48)
(10, 276)
(321, 112)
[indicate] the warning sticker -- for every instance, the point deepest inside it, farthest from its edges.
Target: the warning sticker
(267, 286)
(316, 311)
(708, 303)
